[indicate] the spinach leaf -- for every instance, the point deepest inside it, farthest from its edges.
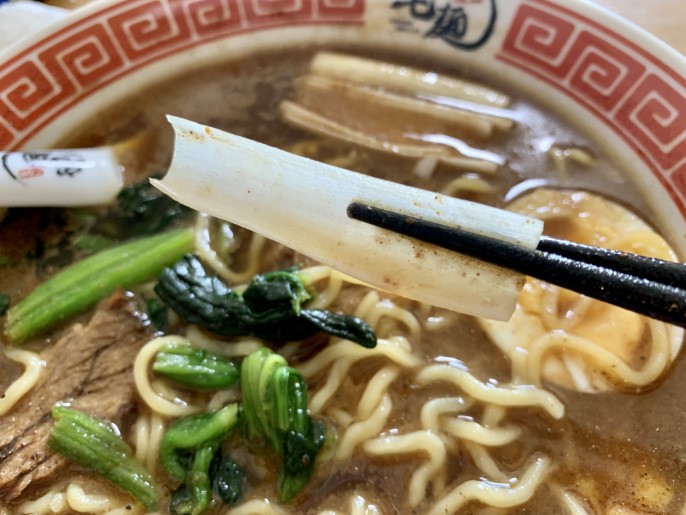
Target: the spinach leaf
(181, 502)
(275, 411)
(299, 452)
(146, 210)
(4, 303)
(157, 312)
(141, 210)
(195, 368)
(270, 308)
(191, 433)
(228, 480)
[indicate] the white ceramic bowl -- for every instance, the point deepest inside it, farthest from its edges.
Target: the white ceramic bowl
(618, 83)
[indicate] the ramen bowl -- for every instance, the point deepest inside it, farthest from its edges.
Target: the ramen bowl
(615, 80)
(485, 429)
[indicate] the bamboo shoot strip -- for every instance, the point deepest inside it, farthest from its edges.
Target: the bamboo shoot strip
(302, 204)
(313, 89)
(306, 119)
(403, 78)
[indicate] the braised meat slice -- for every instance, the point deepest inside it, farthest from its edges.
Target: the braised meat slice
(92, 368)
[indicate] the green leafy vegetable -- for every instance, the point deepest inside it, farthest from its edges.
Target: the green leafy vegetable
(275, 410)
(187, 452)
(257, 371)
(181, 501)
(195, 368)
(96, 446)
(81, 285)
(273, 290)
(93, 242)
(300, 450)
(301, 438)
(190, 433)
(195, 495)
(146, 209)
(141, 210)
(270, 307)
(229, 480)
(158, 313)
(4, 303)
(344, 326)
(198, 478)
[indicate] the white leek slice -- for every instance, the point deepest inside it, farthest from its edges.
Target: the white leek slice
(403, 78)
(302, 204)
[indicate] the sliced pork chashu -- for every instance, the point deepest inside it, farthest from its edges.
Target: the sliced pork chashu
(91, 367)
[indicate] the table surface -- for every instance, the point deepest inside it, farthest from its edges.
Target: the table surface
(664, 18)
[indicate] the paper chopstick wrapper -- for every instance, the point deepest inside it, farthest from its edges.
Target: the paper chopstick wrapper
(77, 177)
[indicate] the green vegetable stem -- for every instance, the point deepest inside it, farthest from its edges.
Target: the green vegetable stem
(195, 368)
(259, 415)
(189, 433)
(270, 308)
(195, 495)
(188, 450)
(209, 472)
(81, 285)
(199, 477)
(275, 409)
(96, 446)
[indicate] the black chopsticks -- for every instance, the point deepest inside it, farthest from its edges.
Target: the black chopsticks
(648, 286)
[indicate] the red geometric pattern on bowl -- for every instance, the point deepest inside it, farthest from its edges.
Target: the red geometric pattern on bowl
(627, 88)
(55, 73)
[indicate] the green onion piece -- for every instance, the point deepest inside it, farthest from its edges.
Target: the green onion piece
(81, 285)
(96, 446)
(189, 433)
(195, 368)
